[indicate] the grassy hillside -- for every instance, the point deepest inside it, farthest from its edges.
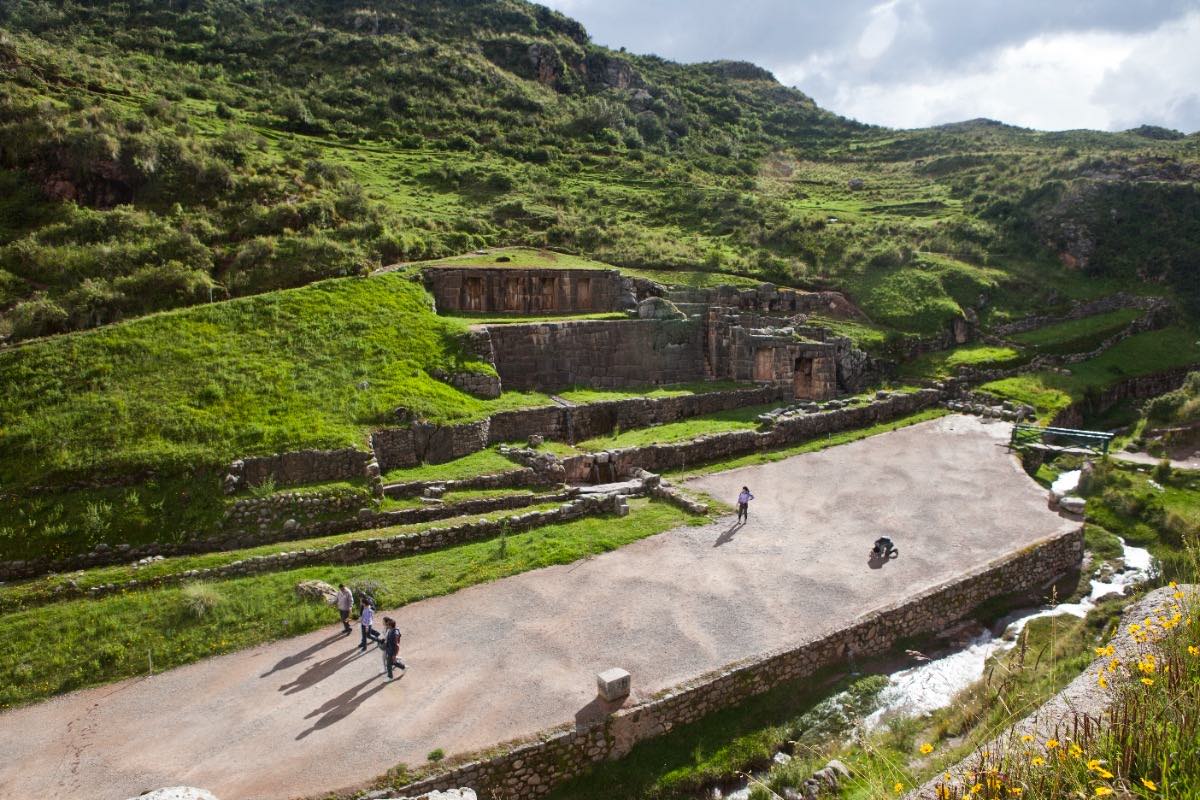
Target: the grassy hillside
(158, 155)
(311, 367)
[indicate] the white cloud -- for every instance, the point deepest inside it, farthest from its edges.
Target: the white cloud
(1107, 64)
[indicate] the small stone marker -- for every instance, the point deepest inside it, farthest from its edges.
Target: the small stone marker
(613, 684)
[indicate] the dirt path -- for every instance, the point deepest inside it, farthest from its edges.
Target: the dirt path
(510, 658)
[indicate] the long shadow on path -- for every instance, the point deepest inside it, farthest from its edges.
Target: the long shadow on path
(302, 656)
(338, 708)
(319, 671)
(727, 535)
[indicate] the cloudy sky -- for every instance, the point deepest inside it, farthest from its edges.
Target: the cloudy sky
(1048, 64)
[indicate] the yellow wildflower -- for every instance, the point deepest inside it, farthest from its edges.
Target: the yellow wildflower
(1075, 750)
(943, 793)
(1027, 737)
(1178, 595)
(1051, 744)
(1173, 585)
(1103, 773)
(926, 748)
(1094, 763)
(1102, 681)
(1103, 791)
(1016, 791)
(1148, 681)
(898, 788)
(977, 788)
(1037, 761)
(1149, 784)
(1193, 650)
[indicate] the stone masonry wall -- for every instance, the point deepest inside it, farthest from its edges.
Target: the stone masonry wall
(300, 467)
(719, 446)
(532, 770)
(1080, 310)
(407, 447)
(363, 550)
(512, 290)
(602, 354)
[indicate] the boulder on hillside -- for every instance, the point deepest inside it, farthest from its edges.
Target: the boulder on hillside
(659, 308)
(319, 591)
(176, 793)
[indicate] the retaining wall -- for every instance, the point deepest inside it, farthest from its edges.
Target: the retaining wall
(604, 354)
(532, 770)
(300, 467)
(719, 446)
(375, 549)
(407, 447)
(1141, 387)
(1079, 311)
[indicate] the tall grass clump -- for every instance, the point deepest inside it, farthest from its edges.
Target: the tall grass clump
(200, 599)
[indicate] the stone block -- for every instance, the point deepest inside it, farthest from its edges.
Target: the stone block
(613, 684)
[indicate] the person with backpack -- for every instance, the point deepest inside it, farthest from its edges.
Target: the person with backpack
(743, 502)
(390, 644)
(345, 602)
(364, 621)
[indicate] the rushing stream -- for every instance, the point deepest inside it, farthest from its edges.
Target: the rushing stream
(933, 684)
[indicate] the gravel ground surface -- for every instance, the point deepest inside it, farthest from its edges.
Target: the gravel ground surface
(507, 659)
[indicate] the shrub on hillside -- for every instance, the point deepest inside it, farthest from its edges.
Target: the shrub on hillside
(200, 599)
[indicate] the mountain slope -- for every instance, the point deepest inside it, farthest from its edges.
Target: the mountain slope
(160, 155)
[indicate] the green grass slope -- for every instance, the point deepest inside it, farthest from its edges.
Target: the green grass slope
(310, 367)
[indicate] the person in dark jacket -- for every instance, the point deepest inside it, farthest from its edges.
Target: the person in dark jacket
(390, 643)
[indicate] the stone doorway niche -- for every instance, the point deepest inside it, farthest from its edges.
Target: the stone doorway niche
(472, 294)
(583, 294)
(541, 294)
(802, 378)
(764, 364)
(512, 294)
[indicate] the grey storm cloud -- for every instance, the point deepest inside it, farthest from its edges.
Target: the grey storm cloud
(1042, 63)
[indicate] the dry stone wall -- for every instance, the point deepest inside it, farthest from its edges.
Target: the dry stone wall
(532, 770)
(363, 550)
(512, 290)
(598, 353)
(297, 468)
(719, 446)
(407, 447)
(1087, 309)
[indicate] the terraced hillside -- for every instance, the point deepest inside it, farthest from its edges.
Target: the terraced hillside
(159, 155)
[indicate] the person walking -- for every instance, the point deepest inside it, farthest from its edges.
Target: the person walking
(345, 601)
(744, 504)
(390, 643)
(364, 621)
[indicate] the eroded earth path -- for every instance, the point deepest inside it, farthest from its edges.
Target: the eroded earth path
(510, 658)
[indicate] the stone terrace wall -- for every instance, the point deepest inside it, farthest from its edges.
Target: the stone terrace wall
(719, 446)
(532, 770)
(363, 550)
(1141, 387)
(300, 467)
(603, 354)
(407, 447)
(1088, 309)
